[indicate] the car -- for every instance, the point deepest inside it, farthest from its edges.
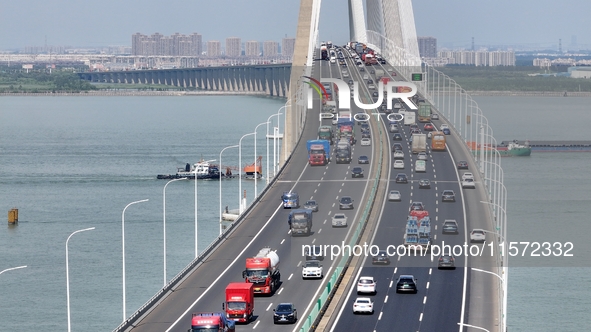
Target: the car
(428, 127)
(414, 126)
(398, 154)
(415, 131)
(394, 129)
(363, 160)
(446, 131)
(366, 285)
(361, 68)
(446, 262)
(364, 125)
(313, 252)
(365, 76)
(397, 137)
(401, 178)
(365, 141)
(372, 71)
(394, 196)
(450, 226)
(363, 304)
(350, 82)
(448, 196)
(371, 87)
(396, 146)
(477, 235)
(346, 75)
(467, 175)
(381, 258)
(339, 220)
(406, 283)
(434, 116)
(357, 172)
(424, 184)
(462, 164)
(346, 202)
(422, 156)
(285, 313)
(416, 206)
(468, 184)
(443, 126)
(365, 134)
(312, 269)
(375, 93)
(369, 81)
(399, 164)
(311, 205)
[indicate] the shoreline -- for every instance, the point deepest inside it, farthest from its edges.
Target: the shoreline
(531, 93)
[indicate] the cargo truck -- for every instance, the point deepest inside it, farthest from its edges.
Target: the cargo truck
(324, 52)
(379, 73)
(409, 118)
(300, 222)
(419, 143)
(318, 152)
(424, 112)
(262, 271)
(211, 321)
(239, 305)
(343, 152)
(325, 133)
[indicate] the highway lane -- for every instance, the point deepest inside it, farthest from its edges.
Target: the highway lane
(267, 226)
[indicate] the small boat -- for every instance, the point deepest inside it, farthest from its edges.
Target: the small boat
(505, 149)
(204, 170)
(250, 170)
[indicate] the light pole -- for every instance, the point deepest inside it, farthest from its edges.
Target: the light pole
(68, 273)
(255, 155)
(267, 133)
(227, 147)
(123, 249)
(240, 171)
(504, 283)
(473, 326)
(13, 268)
(164, 221)
(196, 231)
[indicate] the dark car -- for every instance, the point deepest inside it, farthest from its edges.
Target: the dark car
(397, 137)
(375, 94)
(311, 205)
(406, 283)
(285, 313)
(446, 262)
(357, 172)
(396, 146)
(364, 126)
(381, 258)
(450, 226)
(446, 131)
(434, 116)
(462, 164)
(346, 202)
(350, 82)
(416, 206)
(401, 178)
(313, 252)
(424, 184)
(365, 134)
(363, 160)
(448, 196)
(372, 71)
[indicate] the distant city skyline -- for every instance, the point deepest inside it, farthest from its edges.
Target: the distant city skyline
(524, 24)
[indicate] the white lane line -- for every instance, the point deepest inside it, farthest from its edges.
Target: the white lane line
(320, 230)
(291, 275)
(386, 299)
(395, 269)
(281, 290)
(322, 178)
(299, 263)
(333, 204)
(315, 190)
(270, 304)
(391, 282)
(324, 221)
(430, 271)
(421, 317)
(342, 184)
(340, 190)
(380, 316)
(313, 241)
(282, 241)
(425, 299)
(255, 325)
(318, 184)
(329, 212)
(428, 282)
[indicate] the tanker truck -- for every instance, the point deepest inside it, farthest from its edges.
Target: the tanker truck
(262, 270)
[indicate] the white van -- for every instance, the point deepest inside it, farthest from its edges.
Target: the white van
(420, 166)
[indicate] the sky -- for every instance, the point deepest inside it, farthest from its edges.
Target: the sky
(80, 23)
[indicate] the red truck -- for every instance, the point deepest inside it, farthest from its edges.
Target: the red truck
(239, 305)
(211, 321)
(262, 270)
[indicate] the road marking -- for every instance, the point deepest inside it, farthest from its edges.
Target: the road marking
(386, 298)
(270, 304)
(430, 270)
(319, 184)
(282, 241)
(299, 263)
(320, 230)
(329, 212)
(428, 282)
(342, 184)
(322, 178)
(291, 275)
(281, 290)
(324, 221)
(395, 269)
(314, 240)
(333, 204)
(315, 190)
(421, 317)
(425, 299)
(392, 281)
(255, 325)
(380, 316)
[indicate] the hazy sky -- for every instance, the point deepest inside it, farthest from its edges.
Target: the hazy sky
(81, 23)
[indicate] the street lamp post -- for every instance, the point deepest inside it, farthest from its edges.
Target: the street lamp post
(164, 221)
(255, 155)
(267, 133)
(196, 230)
(123, 249)
(13, 268)
(473, 326)
(68, 273)
(240, 171)
(227, 147)
(504, 283)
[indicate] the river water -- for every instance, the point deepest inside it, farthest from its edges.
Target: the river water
(69, 163)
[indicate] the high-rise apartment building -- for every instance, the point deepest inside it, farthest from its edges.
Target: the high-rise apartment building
(233, 47)
(214, 48)
(287, 46)
(251, 48)
(158, 44)
(427, 47)
(270, 48)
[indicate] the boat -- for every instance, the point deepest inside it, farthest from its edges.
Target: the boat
(505, 149)
(250, 170)
(204, 170)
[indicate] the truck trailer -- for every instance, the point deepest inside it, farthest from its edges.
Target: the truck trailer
(318, 152)
(262, 271)
(239, 305)
(300, 222)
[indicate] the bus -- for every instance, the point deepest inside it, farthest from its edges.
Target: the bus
(437, 141)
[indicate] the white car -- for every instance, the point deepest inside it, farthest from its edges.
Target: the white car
(468, 184)
(443, 126)
(366, 285)
(339, 220)
(365, 77)
(467, 175)
(312, 269)
(394, 195)
(371, 86)
(363, 304)
(365, 141)
(398, 164)
(398, 154)
(422, 156)
(345, 74)
(477, 235)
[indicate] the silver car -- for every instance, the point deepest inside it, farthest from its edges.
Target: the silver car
(339, 220)
(477, 235)
(422, 156)
(394, 196)
(346, 202)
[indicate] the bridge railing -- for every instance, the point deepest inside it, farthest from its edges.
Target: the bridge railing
(467, 120)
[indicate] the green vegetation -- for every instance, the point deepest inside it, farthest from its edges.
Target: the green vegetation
(19, 81)
(514, 79)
